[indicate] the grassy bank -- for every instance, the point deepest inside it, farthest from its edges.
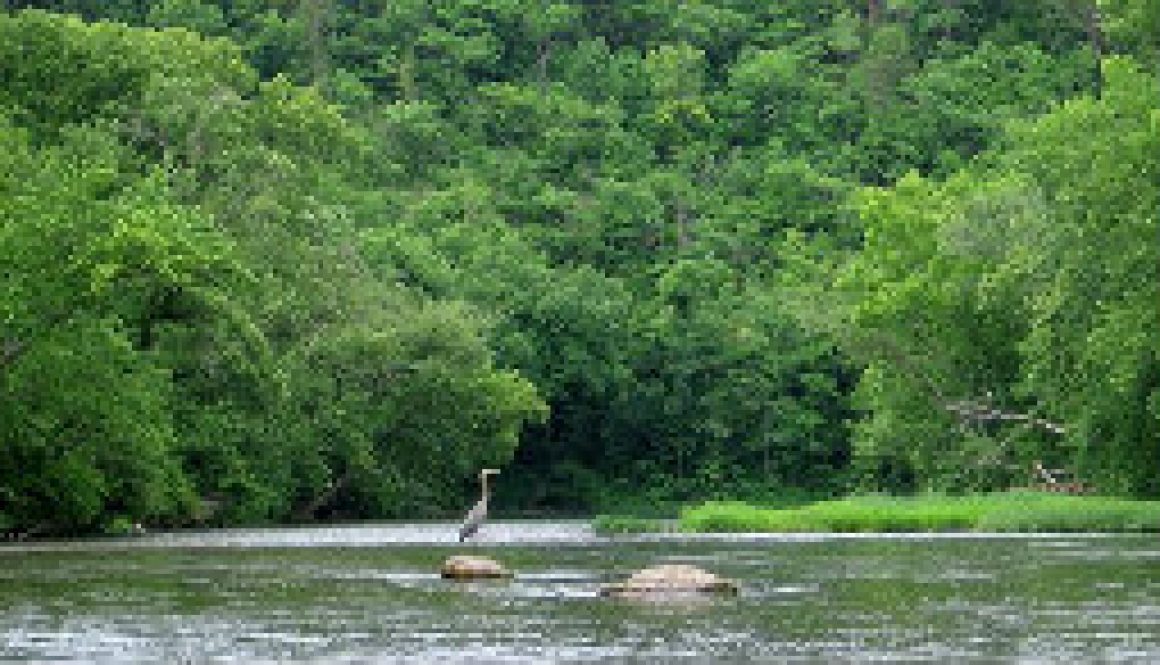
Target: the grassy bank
(1014, 511)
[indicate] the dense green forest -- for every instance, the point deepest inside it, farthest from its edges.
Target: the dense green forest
(314, 259)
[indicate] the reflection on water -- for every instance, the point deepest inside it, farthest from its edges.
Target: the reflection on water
(372, 594)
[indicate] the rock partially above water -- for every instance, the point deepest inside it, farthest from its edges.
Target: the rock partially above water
(670, 579)
(463, 567)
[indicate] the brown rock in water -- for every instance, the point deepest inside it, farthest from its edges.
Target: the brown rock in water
(670, 579)
(462, 567)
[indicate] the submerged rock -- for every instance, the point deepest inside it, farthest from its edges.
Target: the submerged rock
(463, 567)
(670, 579)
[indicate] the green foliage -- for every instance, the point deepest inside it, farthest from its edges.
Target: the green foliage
(202, 342)
(60, 71)
(1092, 351)
(1135, 24)
(86, 258)
(1017, 284)
(328, 258)
(430, 411)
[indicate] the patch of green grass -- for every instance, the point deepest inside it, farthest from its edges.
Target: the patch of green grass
(1073, 513)
(1011, 511)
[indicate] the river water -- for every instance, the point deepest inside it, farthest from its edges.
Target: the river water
(372, 594)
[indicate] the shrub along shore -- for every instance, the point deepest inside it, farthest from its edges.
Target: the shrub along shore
(1011, 511)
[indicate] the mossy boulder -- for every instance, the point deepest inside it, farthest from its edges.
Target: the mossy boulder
(670, 579)
(462, 567)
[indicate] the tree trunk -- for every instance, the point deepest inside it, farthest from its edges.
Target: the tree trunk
(1093, 25)
(949, 32)
(968, 410)
(317, 14)
(407, 74)
(682, 220)
(319, 502)
(543, 55)
(10, 350)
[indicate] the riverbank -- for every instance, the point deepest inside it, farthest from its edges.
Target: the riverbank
(1011, 511)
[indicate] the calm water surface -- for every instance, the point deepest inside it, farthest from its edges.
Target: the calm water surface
(371, 594)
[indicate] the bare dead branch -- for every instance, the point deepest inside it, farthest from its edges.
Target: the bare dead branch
(971, 410)
(978, 411)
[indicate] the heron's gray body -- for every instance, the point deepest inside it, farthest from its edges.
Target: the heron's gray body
(478, 512)
(473, 520)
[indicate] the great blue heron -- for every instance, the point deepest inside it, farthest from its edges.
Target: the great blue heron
(478, 513)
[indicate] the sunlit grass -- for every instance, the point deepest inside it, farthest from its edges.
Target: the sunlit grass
(1012, 511)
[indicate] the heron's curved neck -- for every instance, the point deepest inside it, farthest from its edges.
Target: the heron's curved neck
(483, 489)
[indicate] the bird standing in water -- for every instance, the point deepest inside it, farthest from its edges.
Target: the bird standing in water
(478, 513)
